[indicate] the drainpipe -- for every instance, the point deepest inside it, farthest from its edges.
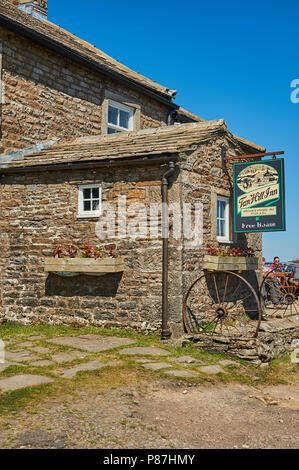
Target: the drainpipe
(165, 234)
(171, 113)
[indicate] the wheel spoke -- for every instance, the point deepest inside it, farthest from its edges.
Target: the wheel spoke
(206, 288)
(211, 296)
(215, 283)
(226, 282)
(235, 291)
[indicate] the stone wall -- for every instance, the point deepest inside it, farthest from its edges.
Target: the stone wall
(39, 211)
(275, 338)
(203, 178)
(47, 96)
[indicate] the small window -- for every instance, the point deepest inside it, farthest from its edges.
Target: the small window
(89, 203)
(120, 118)
(223, 225)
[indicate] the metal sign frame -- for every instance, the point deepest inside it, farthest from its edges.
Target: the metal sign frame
(259, 196)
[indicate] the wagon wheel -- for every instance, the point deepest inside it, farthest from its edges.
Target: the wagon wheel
(222, 303)
(286, 308)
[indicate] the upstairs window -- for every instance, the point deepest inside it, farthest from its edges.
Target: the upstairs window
(223, 216)
(120, 118)
(89, 200)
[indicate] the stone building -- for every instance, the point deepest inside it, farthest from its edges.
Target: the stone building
(79, 131)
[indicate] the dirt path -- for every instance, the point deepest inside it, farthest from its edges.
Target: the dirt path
(161, 414)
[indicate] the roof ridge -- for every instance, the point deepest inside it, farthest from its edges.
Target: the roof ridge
(55, 34)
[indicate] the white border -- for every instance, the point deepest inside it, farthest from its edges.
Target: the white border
(87, 214)
(121, 107)
(226, 237)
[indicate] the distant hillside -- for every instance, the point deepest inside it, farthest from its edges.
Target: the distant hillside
(295, 261)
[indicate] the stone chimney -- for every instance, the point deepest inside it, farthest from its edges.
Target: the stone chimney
(36, 8)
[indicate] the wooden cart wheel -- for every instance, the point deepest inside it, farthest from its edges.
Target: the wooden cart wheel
(222, 303)
(288, 307)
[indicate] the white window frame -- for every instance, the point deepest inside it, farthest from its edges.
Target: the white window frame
(92, 213)
(120, 107)
(226, 237)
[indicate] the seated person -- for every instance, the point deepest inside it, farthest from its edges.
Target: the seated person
(272, 283)
(276, 266)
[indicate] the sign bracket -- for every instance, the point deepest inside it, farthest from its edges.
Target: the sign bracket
(254, 155)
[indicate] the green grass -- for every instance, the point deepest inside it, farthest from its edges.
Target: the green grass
(127, 372)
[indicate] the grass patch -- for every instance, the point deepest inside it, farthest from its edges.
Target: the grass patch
(128, 372)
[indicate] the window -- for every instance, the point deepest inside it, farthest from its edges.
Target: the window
(89, 203)
(223, 216)
(120, 118)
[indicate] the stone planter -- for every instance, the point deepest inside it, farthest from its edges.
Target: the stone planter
(75, 266)
(230, 263)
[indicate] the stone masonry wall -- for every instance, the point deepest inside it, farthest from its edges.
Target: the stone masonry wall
(203, 178)
(46, 96)
(275, 338)
(39, 211)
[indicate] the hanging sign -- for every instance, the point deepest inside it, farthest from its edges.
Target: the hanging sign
(259, 196)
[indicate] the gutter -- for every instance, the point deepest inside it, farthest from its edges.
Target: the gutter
(55, 46)
(4, 170)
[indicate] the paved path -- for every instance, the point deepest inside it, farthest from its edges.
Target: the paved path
(80, 354)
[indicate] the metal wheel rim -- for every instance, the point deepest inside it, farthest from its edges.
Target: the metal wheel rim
(242, 279)
(289, 291)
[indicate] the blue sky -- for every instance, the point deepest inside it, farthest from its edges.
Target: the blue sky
(233, 60)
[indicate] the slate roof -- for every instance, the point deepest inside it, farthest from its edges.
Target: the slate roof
(147, 142)
(53, 36)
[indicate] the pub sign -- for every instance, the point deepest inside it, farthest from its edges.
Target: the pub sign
(259, 196)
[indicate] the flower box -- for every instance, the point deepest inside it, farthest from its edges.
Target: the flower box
(230, 263)
(89, 266)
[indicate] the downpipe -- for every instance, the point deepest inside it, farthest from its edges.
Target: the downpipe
(165, 235)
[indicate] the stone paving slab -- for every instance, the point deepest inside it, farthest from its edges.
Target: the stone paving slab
(180, 373)
(33, 338)
(92, 365)
(42, 363)
(26, 344)
(214, 369)
(227, 362)
(22, 381)
(157, 365)
(20, 356)
(92, 343)
(188, 360)
(147, 351)
(274, 325)
(68, 357)
(41, 350)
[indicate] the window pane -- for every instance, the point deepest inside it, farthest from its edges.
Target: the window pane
(112, 115)
(218, 227)
(221, 209)
(87, 193)
(95, 193)
(124, 119)
(95, 205)
(221, 222)
(87, 205)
